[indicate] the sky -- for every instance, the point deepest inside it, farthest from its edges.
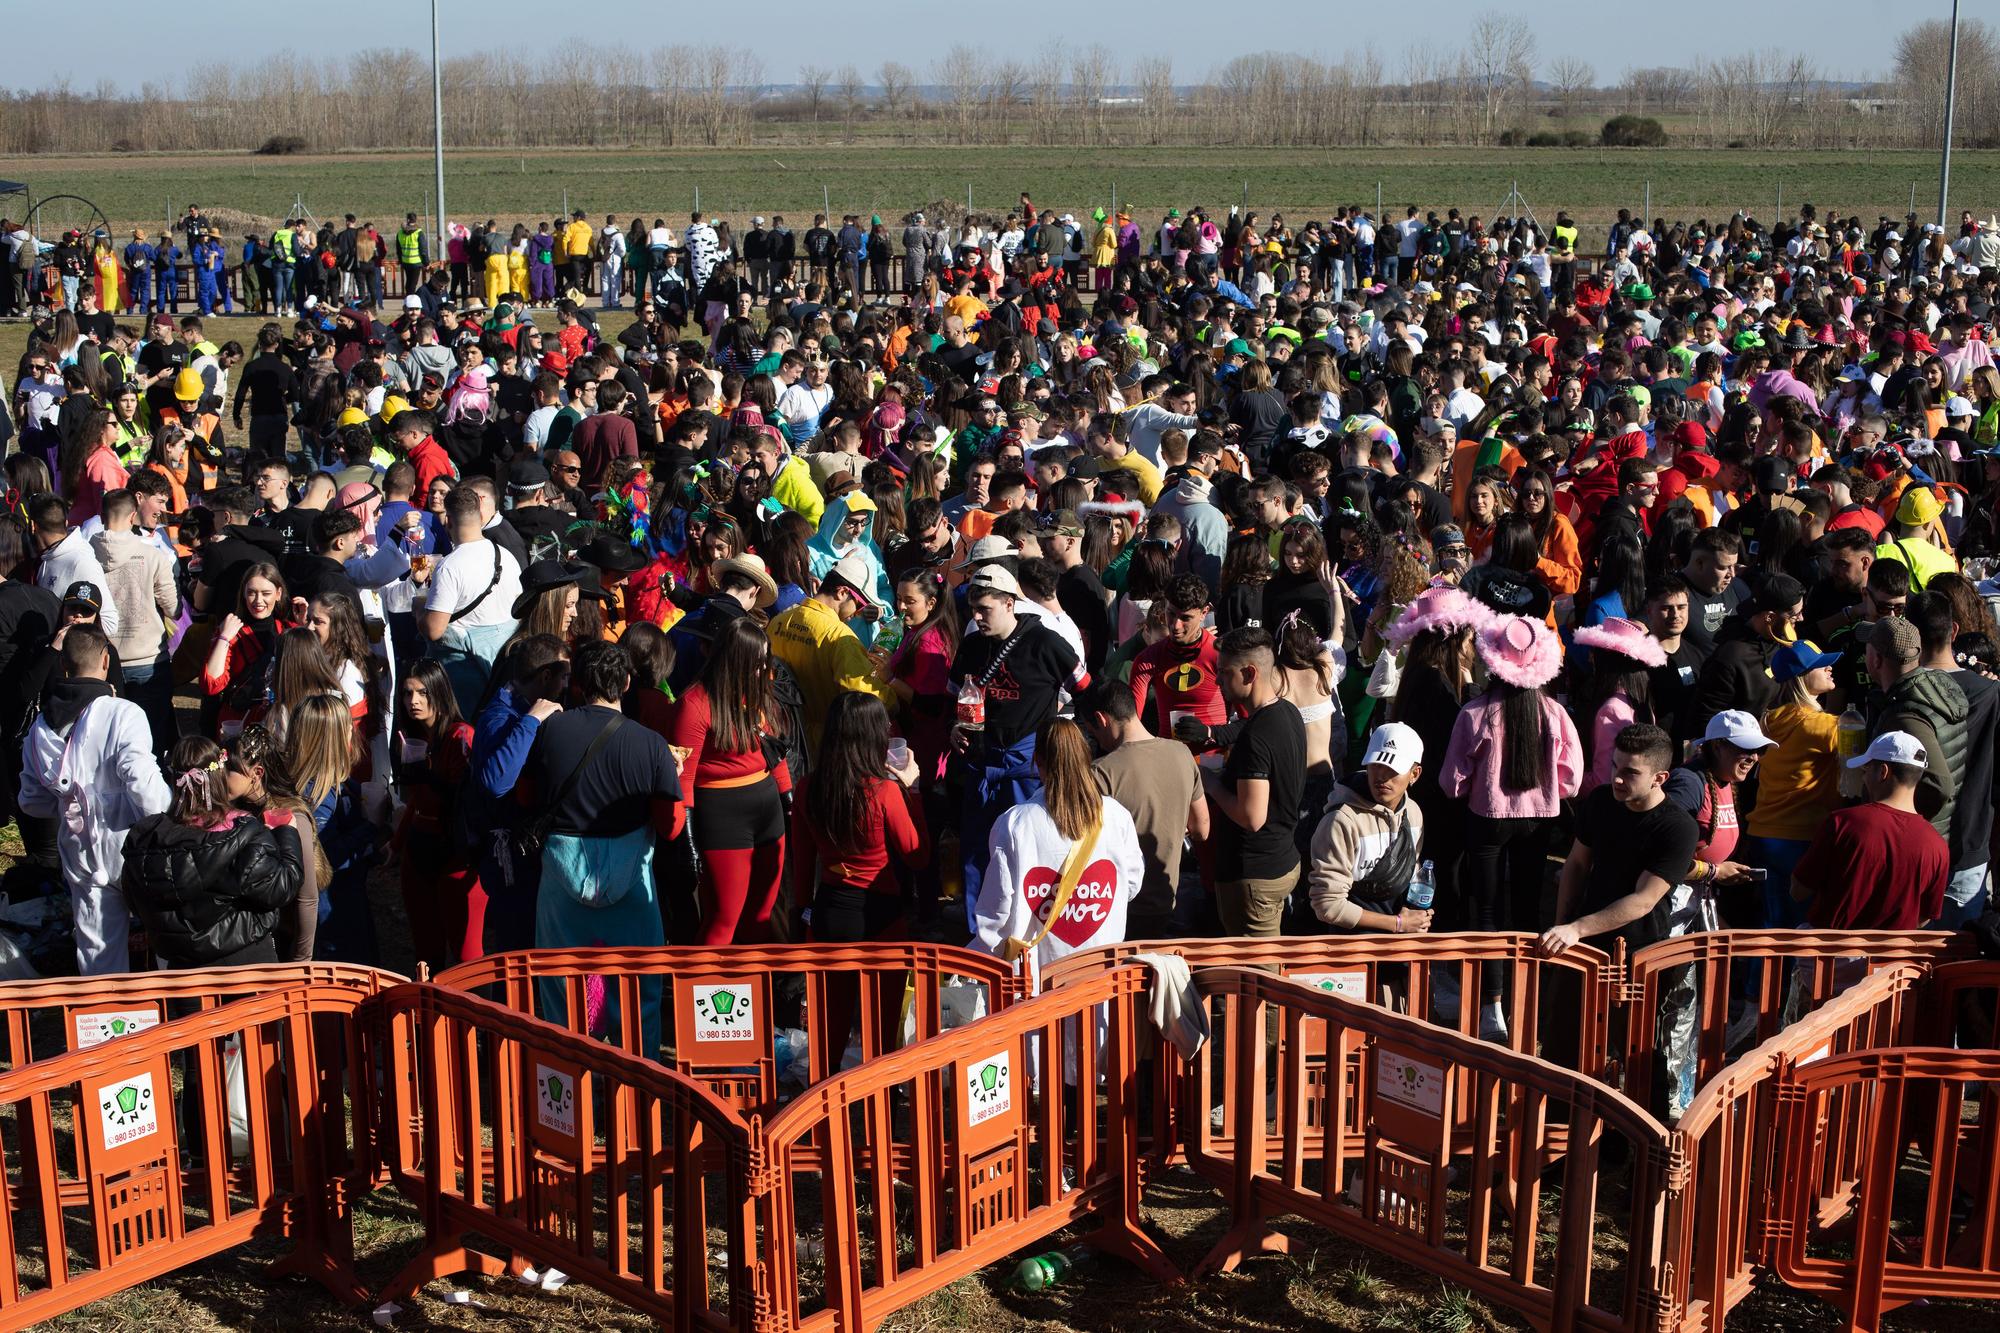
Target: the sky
(1849, 39)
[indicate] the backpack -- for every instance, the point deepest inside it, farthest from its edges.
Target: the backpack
(790, 706)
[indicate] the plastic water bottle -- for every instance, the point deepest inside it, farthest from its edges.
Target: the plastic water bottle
(1423, 887)
(789, 1054)
(1850, 738)
(1045, 1270)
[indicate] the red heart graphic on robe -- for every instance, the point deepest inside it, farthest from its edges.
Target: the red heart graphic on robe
(1089, 907)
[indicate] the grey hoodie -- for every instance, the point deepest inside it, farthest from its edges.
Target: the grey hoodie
(1204, 531)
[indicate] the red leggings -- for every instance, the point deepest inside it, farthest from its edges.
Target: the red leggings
(740, 833)
(739, 887)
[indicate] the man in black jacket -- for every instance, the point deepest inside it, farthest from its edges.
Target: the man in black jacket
(784, 251)
(1738, 673)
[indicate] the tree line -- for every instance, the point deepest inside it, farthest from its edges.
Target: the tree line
(1484, 85)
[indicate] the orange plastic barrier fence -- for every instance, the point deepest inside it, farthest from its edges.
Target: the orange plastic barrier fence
(1732, 1157)
(712, 1014)
(1025, 1122)
(1883, 1252)
(49, 1016)
(1440, 976)
(586, 1158)
(1390, 1187)
(192, 1137)
(1776, 974)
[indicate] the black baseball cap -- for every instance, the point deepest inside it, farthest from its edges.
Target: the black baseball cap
(84, 593)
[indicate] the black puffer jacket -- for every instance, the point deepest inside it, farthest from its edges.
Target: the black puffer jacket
(207, 895)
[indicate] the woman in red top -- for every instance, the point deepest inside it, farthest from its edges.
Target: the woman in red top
(735, 781)
(856, 820)
(433, 755)
(234, 673)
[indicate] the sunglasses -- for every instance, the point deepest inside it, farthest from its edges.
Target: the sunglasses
(565, 467)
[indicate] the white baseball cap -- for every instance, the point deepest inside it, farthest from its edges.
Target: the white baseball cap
(1739, 729)
(413, 302)
(1892, 747)
(853, 572)
(1959, 406)
(993, 578)
(1395, 745)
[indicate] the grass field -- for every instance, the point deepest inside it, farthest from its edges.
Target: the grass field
(138, 189)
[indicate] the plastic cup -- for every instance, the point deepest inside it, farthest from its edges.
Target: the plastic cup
(899, 754)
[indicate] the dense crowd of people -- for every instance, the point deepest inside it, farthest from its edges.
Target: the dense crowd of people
(1072, 582)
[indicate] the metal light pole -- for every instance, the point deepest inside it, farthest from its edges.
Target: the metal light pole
(1950, 101)
(437, 129)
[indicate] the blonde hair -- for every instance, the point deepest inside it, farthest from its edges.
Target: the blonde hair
(319, 746)
(1791, 694)
(1069, 788)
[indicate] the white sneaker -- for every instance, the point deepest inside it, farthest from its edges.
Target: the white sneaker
(1492, 1022)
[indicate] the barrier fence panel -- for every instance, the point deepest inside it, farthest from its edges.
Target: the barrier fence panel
(574, 1153)
(191, 1137)
(1554, 1007)
(47, 1017)
(1773, 976)
(1923, 1218)
(1471, 1210)
(1035, 1124)
(1730, 1147)
(714, 1014)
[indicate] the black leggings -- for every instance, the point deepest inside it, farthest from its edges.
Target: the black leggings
(1502, 880)
(844, 914)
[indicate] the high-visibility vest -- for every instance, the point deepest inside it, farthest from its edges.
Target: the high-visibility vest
(281, 244)
(410, 246)
(1565, 241)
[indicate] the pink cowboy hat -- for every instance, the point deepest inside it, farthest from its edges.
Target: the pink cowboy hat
(1628, 638)
(1520, 650)
(1440, 609)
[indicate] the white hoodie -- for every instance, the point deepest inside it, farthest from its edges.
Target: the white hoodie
(1027, 852)
(96, 778)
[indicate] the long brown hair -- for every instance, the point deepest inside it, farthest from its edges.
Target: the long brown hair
(853, 754)
(1069, 788)
(737, 675)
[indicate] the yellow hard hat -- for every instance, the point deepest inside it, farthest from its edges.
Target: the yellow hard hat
(353, 416)
(188, 386)
(393, 406)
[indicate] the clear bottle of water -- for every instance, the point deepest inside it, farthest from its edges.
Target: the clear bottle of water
(1423, 887)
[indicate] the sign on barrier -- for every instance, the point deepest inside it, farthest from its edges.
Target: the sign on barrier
(95, 1026)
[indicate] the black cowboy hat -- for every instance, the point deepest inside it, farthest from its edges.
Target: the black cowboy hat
(542, 575)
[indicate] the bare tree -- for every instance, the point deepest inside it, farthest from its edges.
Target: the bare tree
(1498, 57)
(814, 78)
(1922, 55)
(1154, 78)
(896, 80)
(1005, 91)
(850, 93)
(958, 74)
(1570, 79)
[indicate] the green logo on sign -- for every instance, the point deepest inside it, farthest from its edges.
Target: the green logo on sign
(128, 1100)
(554, 1091)
(989, 1076)
(724, 1002)
(117, 1027)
